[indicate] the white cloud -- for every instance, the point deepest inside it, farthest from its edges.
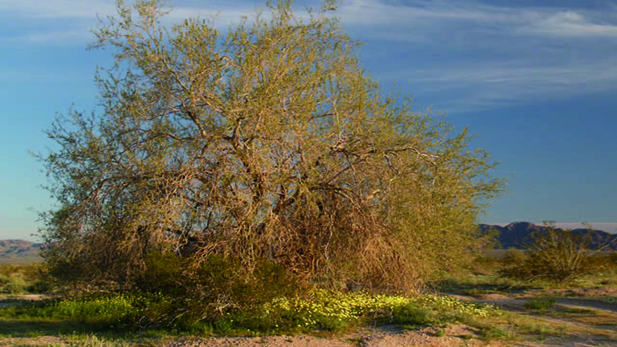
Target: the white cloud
(434, 15)
(568, 24)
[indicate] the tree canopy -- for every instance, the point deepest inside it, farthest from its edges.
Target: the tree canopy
(263, 141)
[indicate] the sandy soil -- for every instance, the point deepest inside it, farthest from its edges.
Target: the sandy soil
(383, 336)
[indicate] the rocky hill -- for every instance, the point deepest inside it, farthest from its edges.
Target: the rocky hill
(19, 250)
(515, 235)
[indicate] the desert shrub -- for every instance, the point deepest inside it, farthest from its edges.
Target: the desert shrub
(18, 279)
(485, 265)
(266, 140)
(557, 256)
(5, 284)
(15, 285)
(512, 265)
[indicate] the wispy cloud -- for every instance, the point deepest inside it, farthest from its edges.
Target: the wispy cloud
(496, 55)
(486, 86)
(568, 24)
(386, 19)
(68, 22)
(442, 15)
(378, 12)
(549, 52)
(61, 9)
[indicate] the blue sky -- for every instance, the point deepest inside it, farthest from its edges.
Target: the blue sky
(536, 80)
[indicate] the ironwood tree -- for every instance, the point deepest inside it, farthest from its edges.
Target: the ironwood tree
(263, 141)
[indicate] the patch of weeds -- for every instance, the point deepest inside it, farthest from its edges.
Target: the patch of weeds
(34, 333)
(608, 299)
(493, 332)
(465, 336)
(578, 310)
(198, 328)
(355, 341)
(590, 317)
(540, 304)
(541, 331)
(96, 341)
(512, 327)
(440, 333)
(412, 315)
(491, 329)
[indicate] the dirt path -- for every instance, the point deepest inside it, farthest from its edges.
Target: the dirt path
(368, 337)
(585, 321)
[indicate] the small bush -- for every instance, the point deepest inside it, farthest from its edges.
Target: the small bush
(13, 284)
(558, 256)
(412, 315)
(485, 265)
(19, 279)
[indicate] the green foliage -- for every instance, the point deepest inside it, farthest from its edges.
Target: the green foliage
(540, 304)
(493, 332)
(12, 285)
(412, 315)
(122, 312)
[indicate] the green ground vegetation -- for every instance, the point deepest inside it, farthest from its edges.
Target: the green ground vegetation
(138, 318)
(317, 311)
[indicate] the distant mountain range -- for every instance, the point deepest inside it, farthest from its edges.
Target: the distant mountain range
(515, 235)
(19, 251)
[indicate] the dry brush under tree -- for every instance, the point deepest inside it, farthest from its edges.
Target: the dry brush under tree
(263, 141)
